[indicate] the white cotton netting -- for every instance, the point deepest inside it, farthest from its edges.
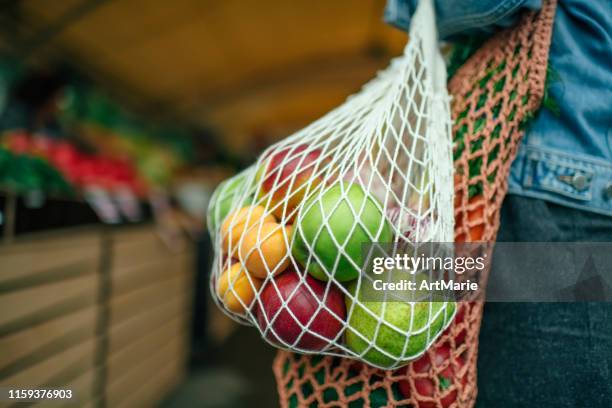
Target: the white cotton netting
(288, 231)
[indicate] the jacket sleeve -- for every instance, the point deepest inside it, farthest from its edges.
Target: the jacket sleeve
(462, 17)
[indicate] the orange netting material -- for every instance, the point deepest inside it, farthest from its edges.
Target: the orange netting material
(495, 94)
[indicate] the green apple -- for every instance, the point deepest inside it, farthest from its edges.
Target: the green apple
(333, 225)
(401, 335)
(225, 198)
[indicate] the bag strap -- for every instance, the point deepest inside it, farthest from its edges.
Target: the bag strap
(423, 27)
(533, 33)
(495, 94)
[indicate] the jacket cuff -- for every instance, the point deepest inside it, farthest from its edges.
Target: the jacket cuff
(399, 12)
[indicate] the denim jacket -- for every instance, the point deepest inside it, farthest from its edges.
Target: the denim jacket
(565, 157)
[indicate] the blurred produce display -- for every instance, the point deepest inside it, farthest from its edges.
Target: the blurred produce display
(65, 166)
(22, 172)
(61, 137)
(86, 138)
(155, 151)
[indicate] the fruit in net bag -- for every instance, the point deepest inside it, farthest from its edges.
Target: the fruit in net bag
(264, 250)
(330, 186)
(241, 222)
(286, 177)
(425, 386)
(224, 198)
(331, 228)
(384, 333)
(301, 312)
(237, 290)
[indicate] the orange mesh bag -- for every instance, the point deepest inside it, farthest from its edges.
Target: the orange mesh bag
(495, 94)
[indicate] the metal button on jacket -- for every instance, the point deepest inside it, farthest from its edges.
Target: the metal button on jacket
(580, 181)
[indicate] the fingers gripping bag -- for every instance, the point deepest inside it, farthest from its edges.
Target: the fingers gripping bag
(289, 232)
(496, 93)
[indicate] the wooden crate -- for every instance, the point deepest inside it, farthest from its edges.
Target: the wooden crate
(49, 297)
(149, 312)
(103, 311)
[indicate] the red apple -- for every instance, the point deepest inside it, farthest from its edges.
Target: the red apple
(303, 300)
(286, 176)
(425, 387)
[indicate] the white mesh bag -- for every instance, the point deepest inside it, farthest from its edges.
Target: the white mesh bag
(289, 231)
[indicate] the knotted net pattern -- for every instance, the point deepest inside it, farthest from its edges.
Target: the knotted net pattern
(288, 231)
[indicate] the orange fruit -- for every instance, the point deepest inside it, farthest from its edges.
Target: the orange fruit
(235, 290)
(264, 250)
(240, 221)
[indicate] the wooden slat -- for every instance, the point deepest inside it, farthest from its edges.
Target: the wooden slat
(82, 388)
(135, 234)
(128, 278)
(145, 346)
(48, 337)
(132, 303)
(72, 237)
(147, 313)
(50, 317)
(149, 393)
(50, 369)
(42, 258)
(21, 304)
(126, 332)
(133, 246)
(142, 371)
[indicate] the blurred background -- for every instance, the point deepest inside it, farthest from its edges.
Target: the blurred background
(118, 118)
